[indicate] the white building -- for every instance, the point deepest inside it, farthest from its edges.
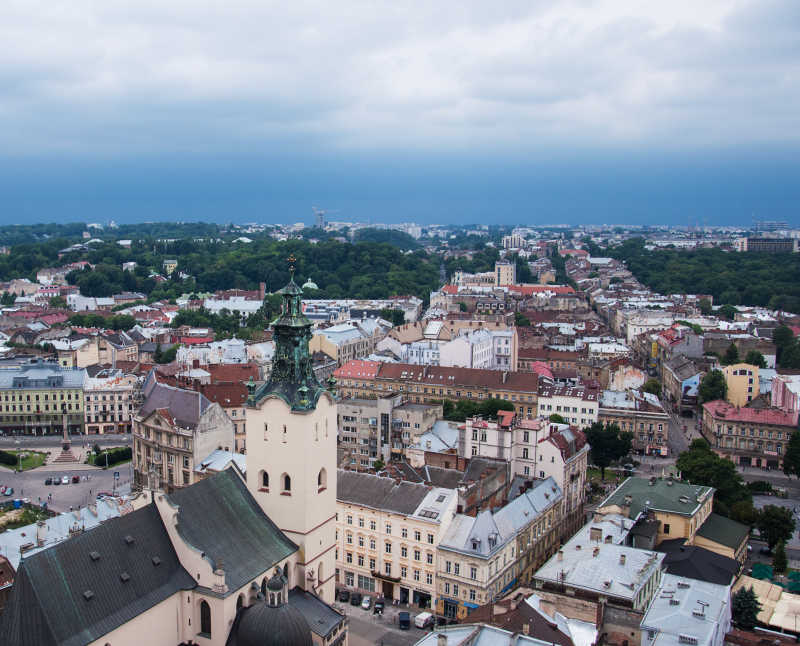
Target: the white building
(687, 612)
(470, 350)
(578, 405)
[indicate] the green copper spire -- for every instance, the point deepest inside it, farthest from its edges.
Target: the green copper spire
(292, 378)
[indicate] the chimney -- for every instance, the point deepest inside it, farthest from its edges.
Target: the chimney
(441, 640)
(526, 629)
(262, 290)
(41, 533)
(622, 559)
(596, 552)
(505, 376)
(195, 363)
(560, 555)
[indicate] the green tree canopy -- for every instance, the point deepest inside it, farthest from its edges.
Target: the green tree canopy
(728, 311)
(652, 386)
(755, 358)
(58, 301)
(779, 560)
(520, 320)
(745, 608)
(712, 386)
(557, 419)
(775, 524)
(608, 444)
(705, 307)
(700, 465)
(791, 458)
(462, 409)
(731, 355)
(394, 316)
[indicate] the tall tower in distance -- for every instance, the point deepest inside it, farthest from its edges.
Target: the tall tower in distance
(291, 449)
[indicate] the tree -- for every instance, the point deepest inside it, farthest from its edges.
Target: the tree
(744, 512)
(782, 337)
(775, 524)
(462, 307)
(712, 386)
(393, 315)
(608, 444)
(700, 465)
(520, 320)
(7, 299)
(158, 355)
(779, 561)
(652, 386)
(755, 358)
(731, 355)
(557, 419)
(378, 464)
(728, 312)
(58, 302)
(704, 305)
(791, 459)
(745, 608)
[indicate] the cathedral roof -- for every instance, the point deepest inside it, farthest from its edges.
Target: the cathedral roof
(220, 517)
(263, 625)
(83, 588)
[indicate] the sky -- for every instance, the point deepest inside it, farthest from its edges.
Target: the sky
(526, 112)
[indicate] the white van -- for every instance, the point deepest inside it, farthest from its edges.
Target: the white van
(423, 620)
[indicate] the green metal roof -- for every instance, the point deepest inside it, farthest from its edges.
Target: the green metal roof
(220, 517)
(724, 531)
(659, 494)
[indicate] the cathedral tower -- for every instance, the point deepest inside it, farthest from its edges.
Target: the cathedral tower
(291, 449)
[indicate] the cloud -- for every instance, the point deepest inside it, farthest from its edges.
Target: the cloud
(117, 78)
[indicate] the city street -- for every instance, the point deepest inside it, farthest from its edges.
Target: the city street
(366, 628)
(54, 441)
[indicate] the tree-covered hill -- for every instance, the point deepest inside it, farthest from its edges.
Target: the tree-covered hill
(736, 278)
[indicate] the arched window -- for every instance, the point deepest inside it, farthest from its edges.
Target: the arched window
(287, 483)
(240, 602)
(205, 618)
(286, 573)
(322, 479)
(264, 480)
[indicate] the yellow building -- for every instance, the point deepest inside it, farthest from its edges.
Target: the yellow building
(742, 380)
(36, 397)
(170, 266)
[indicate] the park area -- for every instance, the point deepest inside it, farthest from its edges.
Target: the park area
(22, 460)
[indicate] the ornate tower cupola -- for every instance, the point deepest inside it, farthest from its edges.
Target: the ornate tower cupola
(292, 378)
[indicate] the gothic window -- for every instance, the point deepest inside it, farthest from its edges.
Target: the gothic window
(322, 479)
(205, 618)
(287, 483)
(264, 480)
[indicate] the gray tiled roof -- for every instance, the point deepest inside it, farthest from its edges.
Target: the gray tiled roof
(185, 406)
(321, 618)
(43, 374)
(220, 517)
(49, 604)
(379, 493)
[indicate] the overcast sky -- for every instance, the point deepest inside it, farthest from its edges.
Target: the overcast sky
(606, 110)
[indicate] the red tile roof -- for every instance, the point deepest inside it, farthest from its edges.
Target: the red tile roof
(567, 448)
(357, 368)
(464, 377)
(232, 372)
(450, 289)
(720, 409)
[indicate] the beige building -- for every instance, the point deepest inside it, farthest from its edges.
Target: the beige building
(742, 381)
(110, 402)
(386, 536)
(41, 397)
(482, 557)
(173, 432)
(639, 413)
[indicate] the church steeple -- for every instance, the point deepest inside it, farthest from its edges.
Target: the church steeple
(292, 378)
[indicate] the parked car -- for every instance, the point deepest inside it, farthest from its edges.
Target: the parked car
(355, 599)
(76, 479)
(366, 602)
(64, 479)
(9, 491)
(48, 481)
(403, 620)
(56, 480)
(378, 607)
(423, 620)
(344, 595)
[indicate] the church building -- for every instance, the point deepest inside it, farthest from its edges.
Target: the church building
(228, 561)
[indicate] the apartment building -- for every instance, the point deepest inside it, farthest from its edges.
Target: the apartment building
(351, 340)
(785, 394)
(742, 381)
(427, 384)
(173, 432)
(639, 413)
(41, 397)
(748, 436)
(481, 557)
(578, 405)
(382, 428)
(110, 401)
(387, 532)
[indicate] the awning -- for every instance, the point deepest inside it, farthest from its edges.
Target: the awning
(471, 606)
